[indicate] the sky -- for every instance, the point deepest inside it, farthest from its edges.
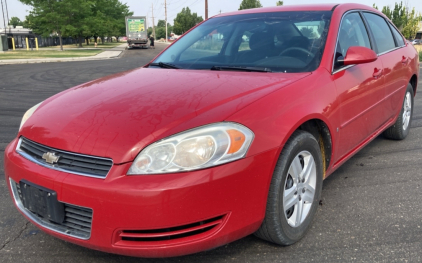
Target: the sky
(144, 7)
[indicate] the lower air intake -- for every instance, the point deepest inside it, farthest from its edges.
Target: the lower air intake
(77, 220)
(172, 234)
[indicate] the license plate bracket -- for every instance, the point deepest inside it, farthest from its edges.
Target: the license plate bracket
(42, 201)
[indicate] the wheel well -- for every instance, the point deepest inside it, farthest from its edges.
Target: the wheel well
(414, 83)
(321, 132)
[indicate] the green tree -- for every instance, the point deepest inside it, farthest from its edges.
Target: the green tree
(397, 15)
(247, 4)
(375, 6)
(78, 14)
(308, 32)
(411, 25)
(161, 23)
(108, 19)
(77, 18)
(387, 12)
(185, 20)
(160, 32)
(279, 3)
(404, 18)
(46, 17)
(160, 29)
(15, 21)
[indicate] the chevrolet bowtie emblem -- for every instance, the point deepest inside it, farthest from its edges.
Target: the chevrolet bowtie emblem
(50, 157)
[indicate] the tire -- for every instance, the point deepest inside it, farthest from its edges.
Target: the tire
(283, 224)
(401, 127)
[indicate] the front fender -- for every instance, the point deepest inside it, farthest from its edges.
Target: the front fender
(274, 117)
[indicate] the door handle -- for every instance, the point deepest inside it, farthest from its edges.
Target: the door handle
(404, 60)
(377, 73)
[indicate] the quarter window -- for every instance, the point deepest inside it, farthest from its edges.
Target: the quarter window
(398, 36)
(382, 33)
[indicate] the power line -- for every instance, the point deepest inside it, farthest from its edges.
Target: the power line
(178, 8)
(175, 2)
(181, 5)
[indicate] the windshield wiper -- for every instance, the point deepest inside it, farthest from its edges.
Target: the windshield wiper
(164, 65)
(238, 68)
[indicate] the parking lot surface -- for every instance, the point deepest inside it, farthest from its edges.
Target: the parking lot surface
(369, 212)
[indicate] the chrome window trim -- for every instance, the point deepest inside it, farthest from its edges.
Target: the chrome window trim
(338, 34)
(37, 220)
(343, 68)
(388, 51)
(46, 165)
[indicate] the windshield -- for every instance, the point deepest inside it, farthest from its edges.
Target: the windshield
(273, 42)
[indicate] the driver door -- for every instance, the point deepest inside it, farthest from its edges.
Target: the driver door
(360, 89)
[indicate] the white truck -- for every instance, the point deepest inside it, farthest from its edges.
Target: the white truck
(136, 31)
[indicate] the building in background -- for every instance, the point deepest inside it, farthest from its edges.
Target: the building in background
(419, 33)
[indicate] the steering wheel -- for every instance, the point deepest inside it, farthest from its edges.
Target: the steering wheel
(299, 49)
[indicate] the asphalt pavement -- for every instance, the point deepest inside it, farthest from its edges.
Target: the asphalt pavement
(369, 210)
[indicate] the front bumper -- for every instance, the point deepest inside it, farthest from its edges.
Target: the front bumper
(157, 215)
(137, 43)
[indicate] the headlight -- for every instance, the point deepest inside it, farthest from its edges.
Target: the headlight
(199, 148)
(28, 114)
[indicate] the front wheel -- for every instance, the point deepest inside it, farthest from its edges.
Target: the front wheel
(294, 192)
(401, 127)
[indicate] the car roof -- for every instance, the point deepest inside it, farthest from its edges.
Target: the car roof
(287, 8)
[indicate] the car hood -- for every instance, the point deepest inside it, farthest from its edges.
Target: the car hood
(118, 115)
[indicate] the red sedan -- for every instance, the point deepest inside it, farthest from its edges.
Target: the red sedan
(229, 131)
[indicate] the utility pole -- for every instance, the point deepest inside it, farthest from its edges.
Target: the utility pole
(2, 9)
(7, 12)
(165, 8)
(206, 9)
(153, 27)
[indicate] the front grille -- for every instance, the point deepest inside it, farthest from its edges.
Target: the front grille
(172, 233)
(77, 221)
(80, 164)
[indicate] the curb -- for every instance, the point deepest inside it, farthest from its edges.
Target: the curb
(34, 61)
(114, 55)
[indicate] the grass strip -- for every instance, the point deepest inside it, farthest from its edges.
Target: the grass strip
(24, 54)
(91, 45)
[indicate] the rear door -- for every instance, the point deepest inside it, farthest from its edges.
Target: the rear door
(390, 49)
(360, 88)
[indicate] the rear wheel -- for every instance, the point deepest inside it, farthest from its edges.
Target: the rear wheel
(401, 127)
(294, 192)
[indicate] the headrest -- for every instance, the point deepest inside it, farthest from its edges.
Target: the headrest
(261, 40)
(299, 41)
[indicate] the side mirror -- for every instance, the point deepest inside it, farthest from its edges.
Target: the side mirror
(358, 55)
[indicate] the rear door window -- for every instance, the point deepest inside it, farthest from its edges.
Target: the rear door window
(382, 33)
